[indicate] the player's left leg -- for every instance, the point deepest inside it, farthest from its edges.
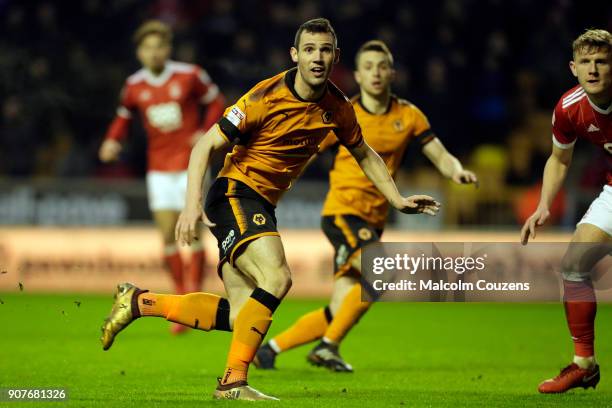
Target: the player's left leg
(263, 263)
(589, 244)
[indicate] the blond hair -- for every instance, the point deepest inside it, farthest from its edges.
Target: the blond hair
(374, 45)
(153, 27)
(592, 40)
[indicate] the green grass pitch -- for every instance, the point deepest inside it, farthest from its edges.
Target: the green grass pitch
(413, 355)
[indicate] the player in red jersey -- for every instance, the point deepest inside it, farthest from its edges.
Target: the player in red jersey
(584, 111)
(167, 95)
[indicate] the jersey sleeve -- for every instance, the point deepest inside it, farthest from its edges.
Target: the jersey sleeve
(206, 90)
(118, 129)
(563, 135)
(242, 118)
(349, 132)
(208, 93)
(421, 129)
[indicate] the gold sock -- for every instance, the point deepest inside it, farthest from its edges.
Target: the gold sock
(309, 327)
(250, 328)
(197, 310)
(349, 313)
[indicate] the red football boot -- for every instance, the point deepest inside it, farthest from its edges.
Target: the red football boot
(570, 377)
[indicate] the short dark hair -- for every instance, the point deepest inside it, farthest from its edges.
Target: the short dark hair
(316, 25)
(374, 45)
(153, 27)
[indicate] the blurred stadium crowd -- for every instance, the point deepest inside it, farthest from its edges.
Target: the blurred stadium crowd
(487, 73)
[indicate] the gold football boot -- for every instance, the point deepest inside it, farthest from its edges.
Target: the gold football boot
(124, 312)
(240, 390)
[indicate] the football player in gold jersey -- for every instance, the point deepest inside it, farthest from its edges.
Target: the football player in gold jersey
(355, 211)
(275, 128)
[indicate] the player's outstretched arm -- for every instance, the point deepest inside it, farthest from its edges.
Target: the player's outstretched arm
(447, 164)
(186, 226)
(376, 170)
(554, 174)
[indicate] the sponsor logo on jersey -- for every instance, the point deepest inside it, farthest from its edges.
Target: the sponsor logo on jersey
(342, 256)
(166, 117)
(236, 115)
(229, 240)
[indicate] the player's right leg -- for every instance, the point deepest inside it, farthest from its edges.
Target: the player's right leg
(589, 244)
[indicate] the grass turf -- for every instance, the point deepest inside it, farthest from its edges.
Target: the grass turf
(419, 354)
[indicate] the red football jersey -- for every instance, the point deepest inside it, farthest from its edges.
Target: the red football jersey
(168, 106)
(576, 116)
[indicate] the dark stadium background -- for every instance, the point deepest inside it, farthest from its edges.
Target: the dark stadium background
(486, 72)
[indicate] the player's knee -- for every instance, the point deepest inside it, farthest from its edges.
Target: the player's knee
(277, 282)
(572, 270)
(232, 316)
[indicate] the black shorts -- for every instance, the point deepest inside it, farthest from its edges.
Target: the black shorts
(348, 234)
(241, 215)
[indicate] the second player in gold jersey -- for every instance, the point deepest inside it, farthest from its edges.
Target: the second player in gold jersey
(355, 211)
(389, 134)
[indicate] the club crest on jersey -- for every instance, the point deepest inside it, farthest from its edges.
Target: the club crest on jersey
(236, 115)
(259, 219)
(364, 234)
(398, 125)
(145, 95)
(175, 91)
(327, 117)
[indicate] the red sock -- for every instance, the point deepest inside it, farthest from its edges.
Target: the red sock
(580, 308)
(174, 263)
(196, 269)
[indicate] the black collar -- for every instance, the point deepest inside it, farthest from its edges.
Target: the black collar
(372, 113)
(290, 82)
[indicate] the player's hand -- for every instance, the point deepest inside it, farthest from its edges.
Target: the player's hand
(186, 229)
(537, 219)
(465, 177)
(418, 204)
(109, 151)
